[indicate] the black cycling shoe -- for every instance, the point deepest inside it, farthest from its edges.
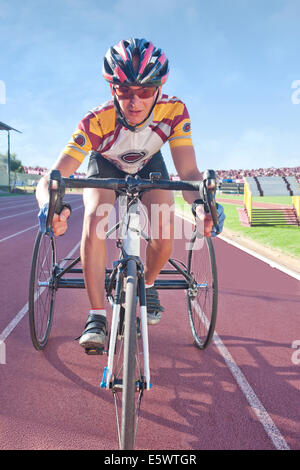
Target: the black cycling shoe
(95, 332)
(154, 308)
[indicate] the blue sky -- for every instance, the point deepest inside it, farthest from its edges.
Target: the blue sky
(233, 62)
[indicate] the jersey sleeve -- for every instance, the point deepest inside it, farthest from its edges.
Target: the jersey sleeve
(181, 127)
(84, 139)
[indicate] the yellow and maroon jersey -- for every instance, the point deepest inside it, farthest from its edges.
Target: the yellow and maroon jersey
(101, 131)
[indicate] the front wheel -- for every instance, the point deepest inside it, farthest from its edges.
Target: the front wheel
(129, 368)
(42, 289)
(202, 294)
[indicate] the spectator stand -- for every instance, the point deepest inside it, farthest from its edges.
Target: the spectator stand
(272, 214)
(228, 186)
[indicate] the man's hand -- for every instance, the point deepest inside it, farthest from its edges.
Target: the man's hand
(206, 222)
(60, 223)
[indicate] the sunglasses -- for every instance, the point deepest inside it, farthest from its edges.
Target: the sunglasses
(126, 92)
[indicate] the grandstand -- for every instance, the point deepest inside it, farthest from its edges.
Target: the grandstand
(237, 175)
(272, 186)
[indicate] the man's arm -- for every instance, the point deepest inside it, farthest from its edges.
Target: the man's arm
(67, 166)
(184, 159)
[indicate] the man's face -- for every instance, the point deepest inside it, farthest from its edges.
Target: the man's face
(135, 102)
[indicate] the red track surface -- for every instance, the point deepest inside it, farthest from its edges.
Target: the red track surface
(199, 400)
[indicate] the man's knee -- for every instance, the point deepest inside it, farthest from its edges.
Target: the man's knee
(96, 220)
(162, 222)
(163, 246)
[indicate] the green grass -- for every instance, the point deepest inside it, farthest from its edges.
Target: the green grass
(15, 194)
(285, 200)
(285, 238)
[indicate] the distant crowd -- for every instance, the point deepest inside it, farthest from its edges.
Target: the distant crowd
(235, 176)
(37, 170)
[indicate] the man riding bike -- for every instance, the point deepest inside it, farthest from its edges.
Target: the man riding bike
(124, 136)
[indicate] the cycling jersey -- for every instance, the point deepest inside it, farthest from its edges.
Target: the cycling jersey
(101, 131)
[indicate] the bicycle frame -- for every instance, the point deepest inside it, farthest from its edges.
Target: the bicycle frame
(130, 237)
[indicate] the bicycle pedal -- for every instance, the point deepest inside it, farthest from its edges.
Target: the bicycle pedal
(95, 351)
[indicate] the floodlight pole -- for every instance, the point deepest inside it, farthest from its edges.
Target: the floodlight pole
(8, 159)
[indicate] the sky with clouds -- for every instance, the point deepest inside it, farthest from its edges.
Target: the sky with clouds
(235, 63)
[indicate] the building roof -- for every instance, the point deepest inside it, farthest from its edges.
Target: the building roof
(6, 127)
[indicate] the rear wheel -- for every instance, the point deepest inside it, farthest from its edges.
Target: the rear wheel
(202, 295)
(42, 289)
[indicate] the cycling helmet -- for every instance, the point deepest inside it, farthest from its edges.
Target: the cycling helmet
(153, 65)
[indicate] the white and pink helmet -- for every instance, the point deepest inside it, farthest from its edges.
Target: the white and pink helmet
(152, 70)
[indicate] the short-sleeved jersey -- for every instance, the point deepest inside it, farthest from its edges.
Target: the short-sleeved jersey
(101, 131)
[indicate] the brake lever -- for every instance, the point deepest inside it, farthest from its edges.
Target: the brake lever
(56, 187)
(209, 196)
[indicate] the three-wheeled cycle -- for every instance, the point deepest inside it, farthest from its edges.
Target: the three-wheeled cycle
(127, 373)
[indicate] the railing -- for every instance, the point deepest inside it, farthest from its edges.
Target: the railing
(296, 205)
(248, 199)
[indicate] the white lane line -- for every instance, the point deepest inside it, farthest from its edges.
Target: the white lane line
(266, 260)
(29, 228)
(17, 206)
(20, 213)
(14, 322)
(15, 215)
(18, 233)
(254, 402)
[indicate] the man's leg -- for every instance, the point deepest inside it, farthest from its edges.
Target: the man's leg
(98, 204)
(160, 207)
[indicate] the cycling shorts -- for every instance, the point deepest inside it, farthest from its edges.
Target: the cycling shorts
(100, 167)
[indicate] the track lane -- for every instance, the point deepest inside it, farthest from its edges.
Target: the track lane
(54, 397)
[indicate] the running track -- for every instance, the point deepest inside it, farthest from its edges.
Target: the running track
(241, 393)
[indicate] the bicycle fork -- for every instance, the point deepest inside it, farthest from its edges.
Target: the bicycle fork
(107, 380)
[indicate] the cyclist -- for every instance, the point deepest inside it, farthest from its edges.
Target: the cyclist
(124, 136)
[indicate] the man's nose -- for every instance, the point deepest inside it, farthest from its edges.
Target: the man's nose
(134, 99)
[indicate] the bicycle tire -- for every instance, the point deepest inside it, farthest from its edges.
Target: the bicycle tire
(129, 366)
(41, 298)
(202, 296)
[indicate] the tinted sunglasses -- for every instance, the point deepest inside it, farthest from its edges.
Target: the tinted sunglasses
(126, 92)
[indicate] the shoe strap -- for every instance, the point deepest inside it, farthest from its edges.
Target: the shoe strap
(95, 323)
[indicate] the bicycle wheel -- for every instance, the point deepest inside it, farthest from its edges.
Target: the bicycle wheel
(42, 289)
(129, 366)
(202, 295)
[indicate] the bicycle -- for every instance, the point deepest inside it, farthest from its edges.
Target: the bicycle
(128, 367)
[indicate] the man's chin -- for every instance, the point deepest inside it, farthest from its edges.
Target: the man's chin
(134, 120)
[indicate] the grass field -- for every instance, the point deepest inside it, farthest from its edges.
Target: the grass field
(285, 200)
(285, 238)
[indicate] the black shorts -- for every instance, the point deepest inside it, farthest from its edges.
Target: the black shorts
(100, 167)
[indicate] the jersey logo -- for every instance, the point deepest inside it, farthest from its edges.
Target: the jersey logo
(133, 157)
(186, 127)
(80, 140)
